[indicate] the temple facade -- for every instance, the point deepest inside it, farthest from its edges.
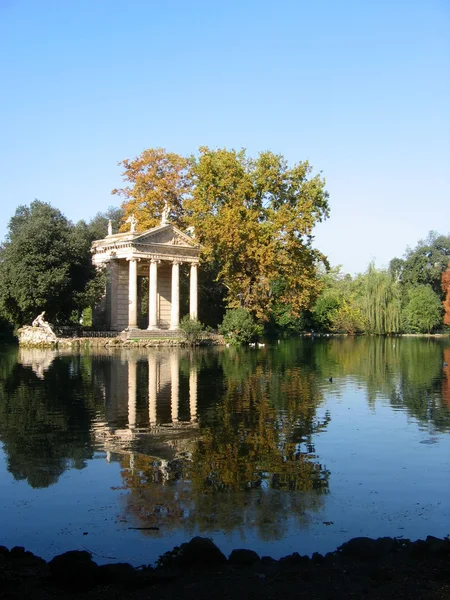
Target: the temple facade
(155, 254)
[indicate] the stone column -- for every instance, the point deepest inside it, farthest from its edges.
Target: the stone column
(132, 368)
(175, 385)
(175, 307)
(153, 295)
(193, 302)
(152, 389)
(132, 293)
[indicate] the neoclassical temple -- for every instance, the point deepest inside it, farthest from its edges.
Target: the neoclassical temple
(156, 254)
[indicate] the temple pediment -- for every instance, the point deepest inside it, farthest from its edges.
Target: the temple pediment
(166, 235)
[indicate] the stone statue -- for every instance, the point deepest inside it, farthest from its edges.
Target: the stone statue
(110, 227)
(39, 321)
(165, 214)
(133, 222)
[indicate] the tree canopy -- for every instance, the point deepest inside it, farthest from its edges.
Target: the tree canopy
(425, 263)
(45, 264)
(254, 219)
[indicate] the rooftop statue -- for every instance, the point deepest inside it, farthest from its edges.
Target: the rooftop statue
(165, 214)
(133, 222)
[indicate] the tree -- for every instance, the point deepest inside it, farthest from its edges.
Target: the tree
(254, 219)
(156, 177)
(348, 318)
(382, 301)
(98, 226)
(446, 290)
(238, 326)
(45, 264)
(423, 313)
(425, 263)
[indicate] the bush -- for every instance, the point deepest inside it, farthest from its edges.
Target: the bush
(192, 329)
(239, 327)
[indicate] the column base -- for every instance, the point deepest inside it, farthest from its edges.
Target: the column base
(177, 328)
(152, 328)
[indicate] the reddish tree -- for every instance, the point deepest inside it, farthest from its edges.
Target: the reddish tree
(446, 290)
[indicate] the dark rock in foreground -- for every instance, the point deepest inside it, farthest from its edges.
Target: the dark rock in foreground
(385, 568)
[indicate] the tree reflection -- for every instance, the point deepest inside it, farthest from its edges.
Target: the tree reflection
(45, 417)
(253, 464)
(406, 371)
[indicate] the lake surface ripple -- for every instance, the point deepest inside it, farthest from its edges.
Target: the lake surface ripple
(296, 446)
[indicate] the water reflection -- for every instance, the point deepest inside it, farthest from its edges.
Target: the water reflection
(209, 440)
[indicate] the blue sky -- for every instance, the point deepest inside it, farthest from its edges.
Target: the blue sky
(361, 90)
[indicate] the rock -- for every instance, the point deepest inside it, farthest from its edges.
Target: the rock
(293, 560)
(117, 573)
(366, 548)
(74, 569)
(417, 548)
(199, 552)
(243, 557)
(268, 560)
(317, 558)
(437, 546)
(17, 552)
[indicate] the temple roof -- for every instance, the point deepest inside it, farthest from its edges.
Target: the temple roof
(166, 241)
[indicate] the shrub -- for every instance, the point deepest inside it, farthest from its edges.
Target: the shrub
(238, 326)
(192, 330)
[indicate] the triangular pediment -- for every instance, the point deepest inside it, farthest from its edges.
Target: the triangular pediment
(167, 235)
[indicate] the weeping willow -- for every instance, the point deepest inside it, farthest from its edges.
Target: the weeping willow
(382, 302)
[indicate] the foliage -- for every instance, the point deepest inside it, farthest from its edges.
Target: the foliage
(98, 226)
(254, 219)
(239, 327)
(446, 289)
(423, 313)
(424, 264)
(155, 177)
(192, 329)
(381, 302)
(347, 318)
(45, 265)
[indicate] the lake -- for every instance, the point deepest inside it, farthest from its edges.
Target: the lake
(296, 446)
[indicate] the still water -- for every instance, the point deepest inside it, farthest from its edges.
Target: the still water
(297, 446)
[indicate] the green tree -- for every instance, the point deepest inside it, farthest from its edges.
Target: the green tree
(425, 263)
(98, 226)
(45, 264)
(238, 326)
(381, 301)
(423, 312)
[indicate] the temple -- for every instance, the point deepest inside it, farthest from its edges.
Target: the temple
(155, 254)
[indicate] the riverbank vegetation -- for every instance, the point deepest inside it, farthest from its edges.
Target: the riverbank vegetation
(254, 219)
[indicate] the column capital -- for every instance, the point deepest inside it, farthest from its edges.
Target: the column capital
(155, 261)
(135, 258)
(177, 261)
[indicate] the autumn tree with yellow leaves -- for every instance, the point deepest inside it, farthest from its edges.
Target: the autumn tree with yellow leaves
(254, 219)
(446, 290)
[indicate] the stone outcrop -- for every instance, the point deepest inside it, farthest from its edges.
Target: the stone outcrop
(37, 337)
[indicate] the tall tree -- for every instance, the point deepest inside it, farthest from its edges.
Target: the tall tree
(425, 263)
(423, 313)
(155, 178)
(253, 217)
(45, 264)
(382, 301)
(446, 290)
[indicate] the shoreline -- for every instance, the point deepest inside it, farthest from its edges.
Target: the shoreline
(362, 567)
